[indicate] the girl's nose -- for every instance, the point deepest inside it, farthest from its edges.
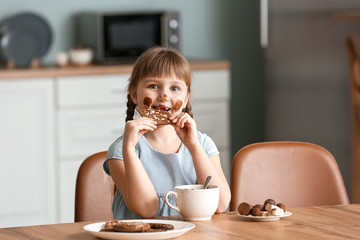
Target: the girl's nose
(163, 97)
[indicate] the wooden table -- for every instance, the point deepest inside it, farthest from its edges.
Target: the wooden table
(327, 222)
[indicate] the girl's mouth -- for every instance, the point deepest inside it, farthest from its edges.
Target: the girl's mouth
(162, 108)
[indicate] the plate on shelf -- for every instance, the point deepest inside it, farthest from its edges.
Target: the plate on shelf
(24, 37)
(180, 228)
(264, 218)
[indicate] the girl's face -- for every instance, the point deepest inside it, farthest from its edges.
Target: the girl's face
(163, 91)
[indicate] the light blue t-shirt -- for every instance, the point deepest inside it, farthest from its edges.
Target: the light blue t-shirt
(164, 170)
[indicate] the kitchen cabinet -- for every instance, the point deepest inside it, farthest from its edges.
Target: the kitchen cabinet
(27, 159)
(91, 115)
(211, 108)
(76, 113)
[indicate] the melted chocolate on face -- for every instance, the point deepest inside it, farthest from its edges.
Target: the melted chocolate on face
(147, 102)
(177, 106)
(159, 115)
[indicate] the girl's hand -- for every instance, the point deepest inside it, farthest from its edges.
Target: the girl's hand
(134, 129)
(186, 130)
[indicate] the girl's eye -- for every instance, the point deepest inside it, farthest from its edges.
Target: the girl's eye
(175, 88)
(154, 86)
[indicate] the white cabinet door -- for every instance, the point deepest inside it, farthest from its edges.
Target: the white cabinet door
(211, 85)
(27, 172)
(213, 119)
(211, 104)
(83, 132)
(92, 91)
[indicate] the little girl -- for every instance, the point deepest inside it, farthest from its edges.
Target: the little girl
(151, 158)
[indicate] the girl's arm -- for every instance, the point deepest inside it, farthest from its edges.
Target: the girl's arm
(130, 176)
(185, 128)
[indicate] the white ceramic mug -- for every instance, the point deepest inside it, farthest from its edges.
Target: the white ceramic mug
(193, 202)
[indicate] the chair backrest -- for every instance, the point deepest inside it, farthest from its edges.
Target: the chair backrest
(297, 174)
(94, 190)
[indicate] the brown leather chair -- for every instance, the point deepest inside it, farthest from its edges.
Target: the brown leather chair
(295, 173)
(94, 190)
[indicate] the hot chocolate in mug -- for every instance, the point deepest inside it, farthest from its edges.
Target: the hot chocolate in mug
(193, 202)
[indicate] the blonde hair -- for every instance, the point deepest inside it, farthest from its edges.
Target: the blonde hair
(158, 62)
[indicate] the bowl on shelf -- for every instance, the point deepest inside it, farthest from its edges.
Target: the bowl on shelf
(81, 56)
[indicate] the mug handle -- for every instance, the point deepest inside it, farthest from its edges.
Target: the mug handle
(167, 201)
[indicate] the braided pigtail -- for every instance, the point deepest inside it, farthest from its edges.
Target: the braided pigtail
(130, 109)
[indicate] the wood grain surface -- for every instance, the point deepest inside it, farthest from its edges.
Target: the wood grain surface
(326, 222)
(94, 70)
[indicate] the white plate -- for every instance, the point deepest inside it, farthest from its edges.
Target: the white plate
(264, 218)
(179, 229)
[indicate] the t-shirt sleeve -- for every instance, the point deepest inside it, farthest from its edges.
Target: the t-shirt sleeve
(208, 145)
(114, 152)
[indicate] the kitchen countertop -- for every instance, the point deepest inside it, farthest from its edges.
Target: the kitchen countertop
(95, 70)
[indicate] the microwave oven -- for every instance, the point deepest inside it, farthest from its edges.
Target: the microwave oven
(123, 36)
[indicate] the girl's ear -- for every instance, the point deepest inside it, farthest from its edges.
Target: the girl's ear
(133, 96)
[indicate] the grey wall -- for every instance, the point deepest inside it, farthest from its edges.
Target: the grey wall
(211, 29)
(307, 76)
(200, 20)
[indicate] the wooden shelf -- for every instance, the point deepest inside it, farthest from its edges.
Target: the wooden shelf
(95, 70)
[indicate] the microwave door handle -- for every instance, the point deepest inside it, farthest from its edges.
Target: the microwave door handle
(264, 23)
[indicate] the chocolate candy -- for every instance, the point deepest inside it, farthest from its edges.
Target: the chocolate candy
(270, 208)
(282, 206)
(255, 211)
(270, 201)
(260, 206)
(244, 208)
